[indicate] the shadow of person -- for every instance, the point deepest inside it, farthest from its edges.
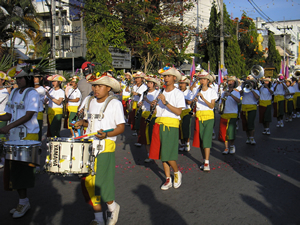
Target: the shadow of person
(160, 213)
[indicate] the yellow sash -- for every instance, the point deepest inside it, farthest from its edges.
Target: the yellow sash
(278, 98)
(204, 115)
(184, 113)
(247, 108)
(228, 116)
(296, 95)
(53, 112)
(2, 115)
(73, 108)
(168, 122)
(265, 103)
(125, 98)
(134, 105)
(40, 116)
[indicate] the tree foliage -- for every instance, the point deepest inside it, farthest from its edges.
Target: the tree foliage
(274, 57)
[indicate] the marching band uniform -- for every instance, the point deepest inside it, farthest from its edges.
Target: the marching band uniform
(23, 104)
(138, 90)
(74, 95)
(166, 127)
(278, 104)
(145, 131)
(288, 101)
(126, 93)
(55, 111)
(296, 98)
(104, 115)
(248, 112)
(265, 104)
(185, 117)
(227, 128)
(204, 122)
(41, 91)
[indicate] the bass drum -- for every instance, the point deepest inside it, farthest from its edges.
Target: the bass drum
(23, 150)
(66, 156)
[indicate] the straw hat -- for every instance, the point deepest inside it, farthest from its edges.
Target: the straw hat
(129, 74)
(266, 79)
(56, 77)
(153, 79)
(75, 79)
(184, 79)
(234, 79)
(170, 71)
(138, 74)
(288, 80)
(205, 75)
(3, 75)
(105, 79)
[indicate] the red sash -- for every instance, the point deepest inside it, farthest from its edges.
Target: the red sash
(196, 141)
(155, 143)
(223, 129)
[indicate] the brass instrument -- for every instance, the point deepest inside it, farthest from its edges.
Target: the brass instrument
(248, 86)
(222, 105)
(148, 120)
(296, 72)
(287, 92)
(140, 109)
(7, 86)
(194, 103)
(257, 72)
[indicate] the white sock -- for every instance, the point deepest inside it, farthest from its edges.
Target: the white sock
(112, 206)
(206, 161)
(176, 172)
(23, 201)
(99, 216)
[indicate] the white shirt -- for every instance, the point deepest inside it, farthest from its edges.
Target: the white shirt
(296, 87)
(31, 103)
(42, 93)
(124, 92)
(75, 94)
(140, 90)
(215, 87)
(188, 95)
(279, 90)
(57, 94)
(265, 94)
(176, 99)
(209, 95)
(150, 96)
(291, 89)
(231, 106)
(113, 116)
(249, 99)
(4, 96)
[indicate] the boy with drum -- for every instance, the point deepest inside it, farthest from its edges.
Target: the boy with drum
(21, 110)
(103, 112)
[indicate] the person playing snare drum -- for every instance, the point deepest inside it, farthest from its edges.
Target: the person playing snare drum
(21, 110)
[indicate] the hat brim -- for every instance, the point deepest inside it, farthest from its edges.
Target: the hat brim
(108, 81)
(56, 78)
(172, 71)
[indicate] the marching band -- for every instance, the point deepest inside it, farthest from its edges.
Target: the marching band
(157, 111)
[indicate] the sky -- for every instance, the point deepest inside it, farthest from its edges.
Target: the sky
(276, 10)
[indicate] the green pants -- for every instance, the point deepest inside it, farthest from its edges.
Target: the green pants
(206, 129)
(56, 125)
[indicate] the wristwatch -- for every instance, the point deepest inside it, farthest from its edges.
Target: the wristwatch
(166, 103)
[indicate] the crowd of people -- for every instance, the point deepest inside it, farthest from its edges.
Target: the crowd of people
(158, 108)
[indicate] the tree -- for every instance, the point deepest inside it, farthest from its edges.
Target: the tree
(274, 57)
(103, 30)
(247, 36)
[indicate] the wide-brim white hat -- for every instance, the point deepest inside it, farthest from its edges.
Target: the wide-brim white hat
(105, 79)
(170, 71)
(56, 77)
(184, 79)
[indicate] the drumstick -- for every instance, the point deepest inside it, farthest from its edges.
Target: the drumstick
(92, 134)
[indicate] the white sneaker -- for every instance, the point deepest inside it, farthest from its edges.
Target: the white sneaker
(290, 119)
(232, 149)
(264, 132)
(134, 133)
(113, 218)
(225, 152)
(252, 141)
(181, 147)
(138, 144)
(281, 124)
(148, 160)
(286, 119)
(96, 222)
(206, 167)
(201, 167)
(177, 179)
(12, 211)
(187, 147)
(278, 124)
(248, 141)
(167, 184)
(21, 210)
(294, 116)
(298, 115)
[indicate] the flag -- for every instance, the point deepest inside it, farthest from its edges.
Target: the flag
(208, 67)
(192, 72)
(220, 78)
(287, 72)
(281, 68)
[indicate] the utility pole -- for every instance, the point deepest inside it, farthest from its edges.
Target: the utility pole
(81, 32)
(59, 29)
(53, 3)
(284, 28)
(221, 36)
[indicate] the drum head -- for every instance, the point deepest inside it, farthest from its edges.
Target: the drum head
(72, 140)
(22, 142)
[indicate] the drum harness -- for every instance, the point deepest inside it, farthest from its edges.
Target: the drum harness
(98, 147)
(22, 129)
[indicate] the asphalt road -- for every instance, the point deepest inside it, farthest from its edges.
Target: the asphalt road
(258, 185)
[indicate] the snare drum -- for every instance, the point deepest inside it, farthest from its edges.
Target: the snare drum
(23, 150)
(67, 156)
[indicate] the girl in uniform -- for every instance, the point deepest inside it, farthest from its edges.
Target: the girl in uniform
(288, 102)
(38, 80)
(55, 99)
(204, 123)
(278, 104)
